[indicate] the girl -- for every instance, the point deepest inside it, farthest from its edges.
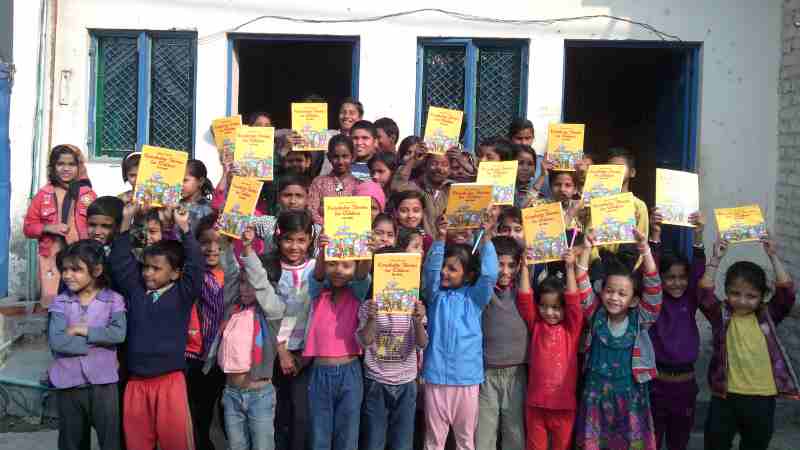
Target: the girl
(749, 366)
(408, 210)
(521, 132)
(57, 213)
(676, 339)
(384, 231)
(86, 324)
(196, 192)
(350, 112)
(509, 223)
(614, 409)
(340, 182)
(526, 174)
(410, 240)
(434, 184)
(245, 349)
(336, 387)
(381, 169)
(458, 287)
(130, 169)
(375, 192)
(390, 386)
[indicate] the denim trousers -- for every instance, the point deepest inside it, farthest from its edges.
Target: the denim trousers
(334, 402)
(387, 417)
(249, 417)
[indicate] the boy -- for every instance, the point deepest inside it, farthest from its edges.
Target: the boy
(501, 408)
(365, 141)
(103, 218)
(160, 299)
(388, 134)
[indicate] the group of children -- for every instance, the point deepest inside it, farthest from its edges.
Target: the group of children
(156, 319)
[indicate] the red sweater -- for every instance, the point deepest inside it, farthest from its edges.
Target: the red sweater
(553, 350)
(45, 210)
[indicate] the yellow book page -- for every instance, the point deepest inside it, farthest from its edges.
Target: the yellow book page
(442, 129)
(502, 176)
(545, 238)
(467, 204)
(677, 196)
(602, 180)
(614, 219)
(254, 152)
(741, 224)
(310, 120)
(239, 206)
(396, 278)
(160, 178)
(565, 144)
(348, 223)
(225, 132)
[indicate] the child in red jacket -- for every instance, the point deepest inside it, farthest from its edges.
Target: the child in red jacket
(555, 323)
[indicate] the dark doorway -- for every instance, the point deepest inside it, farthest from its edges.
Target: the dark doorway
(638, 95)
(274, 72)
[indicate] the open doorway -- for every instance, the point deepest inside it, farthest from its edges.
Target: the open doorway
(268, 73)
(639, 95)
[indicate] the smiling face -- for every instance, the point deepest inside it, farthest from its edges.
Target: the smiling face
(209, 247)
(384, 234)
(348, 115)
(380, 174)
(617, 295)
(676, 280)
(523, 137)
(66, 168)
(742, 296)
(340, 272)
(452, 273)
(341, 159)
(512, 229)
(409, 213)
(365, 144)
(157, 272)
(385, 142)
(438, 169)
(293, 198)
(551, 308)
(101, 228)
(294, 247)
(76, 275)
(508, 268)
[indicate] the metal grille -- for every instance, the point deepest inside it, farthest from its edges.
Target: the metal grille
(498, 91)
(117, 88)
(443, 78)
(172, 93)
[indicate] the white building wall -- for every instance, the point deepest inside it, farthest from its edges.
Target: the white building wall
(741, 54)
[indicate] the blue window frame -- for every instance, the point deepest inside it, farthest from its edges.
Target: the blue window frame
(485, 78)
(142, 91)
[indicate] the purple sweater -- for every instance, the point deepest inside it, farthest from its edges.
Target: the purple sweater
(676, 339)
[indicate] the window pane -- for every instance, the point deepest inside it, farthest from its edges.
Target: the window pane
(498, 90)
(116, 96)
(443, 79)
(172, 93)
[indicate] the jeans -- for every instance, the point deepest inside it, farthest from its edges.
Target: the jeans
(334, 401)
(249, 417)
(387, 416)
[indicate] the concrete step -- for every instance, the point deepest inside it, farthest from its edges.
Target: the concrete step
(21, 390)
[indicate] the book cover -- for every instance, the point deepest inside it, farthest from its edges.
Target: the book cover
(254, 152)
(565, 144)
(614, 219)
(545, 238)
(160, 178)
(442, 129)
(310, 120)
(741, 224)
(502, 176)
(224, 130)
(396, 278)
(602, 180)
(239, 206)
(348, 223)
(467, 204)
(677, 196)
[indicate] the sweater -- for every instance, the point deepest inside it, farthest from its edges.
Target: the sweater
(157, 330)
(505, 334)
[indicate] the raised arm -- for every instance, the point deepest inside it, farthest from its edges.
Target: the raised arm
(481, 292)
(650, 304)
(589, 300)
(230, 268)
(257, 276)
(315, 200)
(784, 298)
(191, 281)
(125, 270)
(525, 305)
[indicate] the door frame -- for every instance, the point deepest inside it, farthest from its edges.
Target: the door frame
(232, 94)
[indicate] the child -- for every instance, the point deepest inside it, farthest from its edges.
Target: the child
(375, 192)
(103, 218)
(555, 321)
(57, 213)
(509, 223)
(411, 240)
(245, 350)
(410, 148)
(749, 366)
(196, 192)
(365, 141)
(336, 387)
(408, 210)
(495, 149)
(130, 170)
(292, 196)
(381, 169)
(350, 112)
(434, 184)
(86, 324)
(676, 339)
(390, 385)
(614, 408)
(340, 182)
(520, 132)
(526, 174)
(501, 403)
(159, 305)
(298, 163)
(259, 119)
(457, 287)
(388, 134)
(624, 157)
(384, 231)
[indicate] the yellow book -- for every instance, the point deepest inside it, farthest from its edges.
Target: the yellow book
(677, 196)
(603, 180)
(502, 176)
(545, 238)
(565, 144)
(614, 219)
(742, 224)
(254, 151)
(442, 129)
(239, 206)
(160, 178)
(310, 120)
(467, 204)
(224, 130)
(348, 223)
(396, 278)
